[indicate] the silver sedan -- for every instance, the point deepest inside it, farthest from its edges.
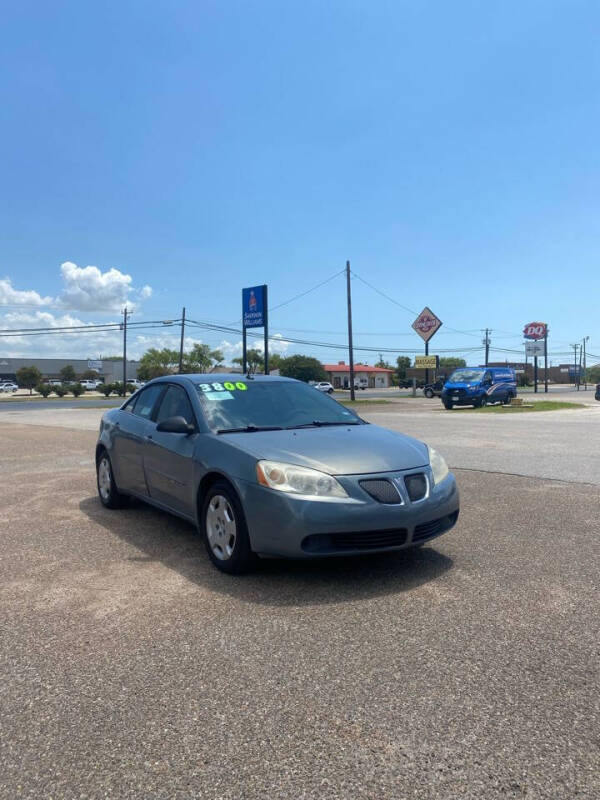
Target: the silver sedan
(266, 466)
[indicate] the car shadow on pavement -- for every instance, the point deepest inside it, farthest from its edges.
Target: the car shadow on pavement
(163, 538)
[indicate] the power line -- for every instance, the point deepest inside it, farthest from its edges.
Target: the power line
(405, 308)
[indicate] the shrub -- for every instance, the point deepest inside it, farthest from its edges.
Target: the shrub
(105, 389)
(76, 389)
(118, 388)
(44, 389)
(60, 390)
(131, 388)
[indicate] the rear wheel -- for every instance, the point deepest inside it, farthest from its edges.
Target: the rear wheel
(428, 393)
(224, 530)
(507, 399)
(108, 492)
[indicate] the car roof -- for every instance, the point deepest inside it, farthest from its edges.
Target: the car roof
(220, 377)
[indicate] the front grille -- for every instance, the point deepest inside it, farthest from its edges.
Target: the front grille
(416, 486)
(428, 529)
(362, 540)
(382, 490)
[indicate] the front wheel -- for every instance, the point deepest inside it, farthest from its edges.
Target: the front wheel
(447, 405)
(224, 530)
(482, 402)
(428, 393)
(108, 492)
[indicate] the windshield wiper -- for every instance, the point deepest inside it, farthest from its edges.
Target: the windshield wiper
(250, 429)
(319, 423)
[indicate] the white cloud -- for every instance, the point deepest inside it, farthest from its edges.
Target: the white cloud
(16, 297)
(234, 349)
(146, 292)
(90, 289)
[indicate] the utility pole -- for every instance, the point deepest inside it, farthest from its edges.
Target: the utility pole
(575, 346)
(585, 339)
(350, 346)
(125, 315)
(487, 342)
(181, 341)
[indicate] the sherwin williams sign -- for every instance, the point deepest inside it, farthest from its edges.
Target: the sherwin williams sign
(426, 324)
(253, 307)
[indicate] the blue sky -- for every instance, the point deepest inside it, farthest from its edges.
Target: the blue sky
(449, 150)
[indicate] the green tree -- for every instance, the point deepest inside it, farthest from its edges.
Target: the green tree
(155, 363)
(593, 374)
(200, 358)
(402, 364)
(67, 374)
(254, 360)
(274, 361)
(89, 375)
(76, 389)
(29, 377)
(303, 368)
(452, 363)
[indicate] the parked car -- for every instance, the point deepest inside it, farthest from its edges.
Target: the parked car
(324, 386)
(54, 383)
(434, 389)
(265, 466)
(478, 386)
(90, 385)
(8, 386)
(597, 394)
(135, 382)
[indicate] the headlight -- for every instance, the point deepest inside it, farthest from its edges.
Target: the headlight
(298, 480)
(438, 466)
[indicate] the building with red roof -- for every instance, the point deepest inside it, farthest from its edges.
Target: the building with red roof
(364, 376)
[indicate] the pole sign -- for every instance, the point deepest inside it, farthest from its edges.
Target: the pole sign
(535, 330)
(255, 314)
(426, 362)
(534, 348)
(426, 324)
(97, 365)
(253, 306)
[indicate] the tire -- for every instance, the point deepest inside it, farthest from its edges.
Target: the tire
(224, 531)
(108, 492)
(481, 402)
(428, 393)
(507, 399)
(447, 405)
(329, 391)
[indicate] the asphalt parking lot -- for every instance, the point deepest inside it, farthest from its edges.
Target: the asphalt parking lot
(469, 668)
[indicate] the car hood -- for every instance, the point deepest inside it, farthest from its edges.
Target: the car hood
(460, 385)
(337, 450)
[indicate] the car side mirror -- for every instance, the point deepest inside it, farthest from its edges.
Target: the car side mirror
(175, 425)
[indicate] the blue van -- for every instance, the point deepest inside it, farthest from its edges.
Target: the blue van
(478, 386)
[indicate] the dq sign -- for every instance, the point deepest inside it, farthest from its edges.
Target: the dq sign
(426, 324)
(535, 330)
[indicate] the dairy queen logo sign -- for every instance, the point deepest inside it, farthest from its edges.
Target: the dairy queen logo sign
(535, 330)
(426, 324)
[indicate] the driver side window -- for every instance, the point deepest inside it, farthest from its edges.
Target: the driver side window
(175, 403)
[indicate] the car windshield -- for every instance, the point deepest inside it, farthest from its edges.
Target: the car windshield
(466, 375)
(258, 405)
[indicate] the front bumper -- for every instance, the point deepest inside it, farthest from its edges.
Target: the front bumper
(280, 524)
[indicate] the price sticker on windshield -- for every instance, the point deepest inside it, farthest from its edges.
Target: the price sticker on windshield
(221, 391)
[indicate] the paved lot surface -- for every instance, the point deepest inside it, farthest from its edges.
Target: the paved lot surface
(130, 668)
